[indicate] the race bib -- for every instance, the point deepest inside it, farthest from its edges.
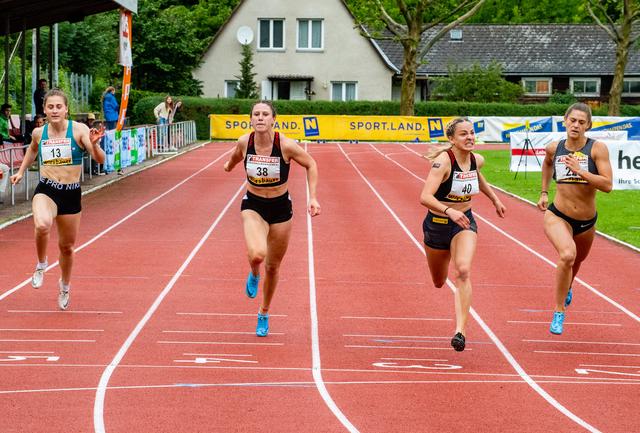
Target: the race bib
(263, 170)
(565, 174)
(464, 184)
(56, 151)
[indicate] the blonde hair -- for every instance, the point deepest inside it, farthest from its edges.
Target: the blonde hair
(450, 130)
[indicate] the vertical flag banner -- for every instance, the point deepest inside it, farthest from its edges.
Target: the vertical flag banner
(126, 61)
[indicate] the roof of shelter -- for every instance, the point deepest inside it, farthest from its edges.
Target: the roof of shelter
(531, 49)
(38, 13)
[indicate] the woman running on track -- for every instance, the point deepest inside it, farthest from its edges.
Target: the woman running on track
(59, 146)
(266, 208)
(580, 167)
(449, 228)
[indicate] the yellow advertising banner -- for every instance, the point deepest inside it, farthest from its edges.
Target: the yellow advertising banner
(337, 128)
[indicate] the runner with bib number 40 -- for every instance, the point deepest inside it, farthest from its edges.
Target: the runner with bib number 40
(450, 231)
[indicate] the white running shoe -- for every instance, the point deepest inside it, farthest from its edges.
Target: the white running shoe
(38, 278)
(63, 296)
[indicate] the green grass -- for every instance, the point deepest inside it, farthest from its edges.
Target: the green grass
(618, 211)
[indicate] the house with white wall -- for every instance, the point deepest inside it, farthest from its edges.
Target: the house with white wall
(303, 49)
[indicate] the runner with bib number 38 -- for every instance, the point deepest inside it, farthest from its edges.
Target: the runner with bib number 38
(450, 231)
(266, 208)
(580, 167)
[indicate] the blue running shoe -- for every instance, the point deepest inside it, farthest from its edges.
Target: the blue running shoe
(567, 300)
(251, 289)
(263, 325)
(557, 322)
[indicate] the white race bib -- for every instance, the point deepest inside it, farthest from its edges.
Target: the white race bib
(464, 184)
(565, 174)
(56, 151)
(263, 170)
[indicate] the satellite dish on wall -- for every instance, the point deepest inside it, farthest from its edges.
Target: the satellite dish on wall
(244, 35)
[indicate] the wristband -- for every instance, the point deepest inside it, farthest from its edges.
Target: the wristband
(446, 209)
(544, 192)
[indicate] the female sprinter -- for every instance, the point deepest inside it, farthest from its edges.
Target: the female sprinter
(266, 208)
(449, 228)
(59, 145)
(580, 167)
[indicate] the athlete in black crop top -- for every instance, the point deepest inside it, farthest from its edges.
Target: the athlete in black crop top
(266, 208)
(449, 227)
(581, 167)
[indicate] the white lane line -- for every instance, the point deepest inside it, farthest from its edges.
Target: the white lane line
(50, 330)
(393, 336)
(585, 353)
(229, 314)
(610, 366)
(218, 332)
(415, 359)
(116, 224)
(355, 346)
(24, 351)
(535, 386)
(248, 355)
(537, 254)
(309, 384)
(567, 323)
(98, 407)
(46, 341)
(531, 310)
(315, 338)
(227, 343)
(64, 312)
(613, 343)
(394, 318)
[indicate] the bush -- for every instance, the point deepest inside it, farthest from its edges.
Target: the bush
(563, 98)
(477, 84)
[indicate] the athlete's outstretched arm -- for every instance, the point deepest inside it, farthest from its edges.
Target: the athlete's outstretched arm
(238, 153)
(547, 173)
(299, 155)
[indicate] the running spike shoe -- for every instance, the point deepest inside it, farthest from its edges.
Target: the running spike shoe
(262, 329)
(251, 288)
(567, 300)
(557, 322)
(38, 277)
(458, 342)
(63, 296)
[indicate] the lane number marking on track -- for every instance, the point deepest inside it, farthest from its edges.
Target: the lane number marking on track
(14, 358)
(589, 371)
(434, 366)
(214, 360)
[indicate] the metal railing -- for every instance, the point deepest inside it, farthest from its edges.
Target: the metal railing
(160, 139)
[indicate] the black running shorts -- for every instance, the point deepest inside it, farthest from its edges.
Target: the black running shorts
(439, 231)
(273, 210)
(66, 196)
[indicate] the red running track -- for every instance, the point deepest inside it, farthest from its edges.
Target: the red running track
(160, 336)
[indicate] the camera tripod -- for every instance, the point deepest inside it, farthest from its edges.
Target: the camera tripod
(526, 148)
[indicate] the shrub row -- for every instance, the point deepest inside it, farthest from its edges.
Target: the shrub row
(198, 109)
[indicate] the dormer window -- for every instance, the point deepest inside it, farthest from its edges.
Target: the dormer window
(455, 35)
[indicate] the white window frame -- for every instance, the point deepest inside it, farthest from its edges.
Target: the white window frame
(344, 90)
(226, 87)
(271, 47)
(548, 79)
(634, 79)
(574, 79)
(310, 34)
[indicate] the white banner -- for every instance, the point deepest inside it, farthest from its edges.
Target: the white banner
(625, 162)
(125, 39)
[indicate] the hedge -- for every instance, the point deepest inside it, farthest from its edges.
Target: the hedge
(198, 109)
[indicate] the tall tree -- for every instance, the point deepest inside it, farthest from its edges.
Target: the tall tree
(619, 18)
(247, 88)
(407, 21)
(532, 11)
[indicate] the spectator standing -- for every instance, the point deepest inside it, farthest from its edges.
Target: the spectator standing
(164, 115)
(110, 108)
(38, 96)
(96, 168)
(111, 112)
